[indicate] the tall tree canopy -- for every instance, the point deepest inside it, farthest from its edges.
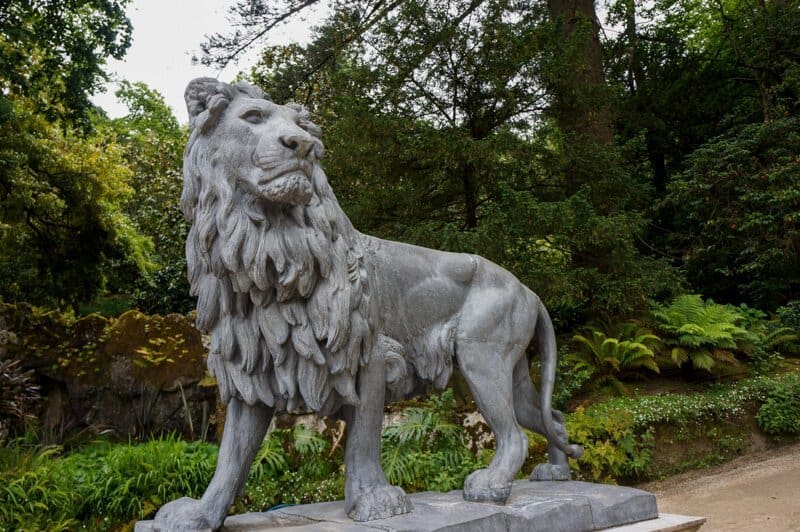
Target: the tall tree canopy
(61, 217)
(152, 143)
(64, 231)
(443, 128)
(54, 51)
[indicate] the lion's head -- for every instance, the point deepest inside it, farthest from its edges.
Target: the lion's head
(276, 265)
(268, 149)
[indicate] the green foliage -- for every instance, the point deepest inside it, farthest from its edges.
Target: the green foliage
(446, 148)
(101, 486)
(702, 334)
(569, 379)
(426, 450)
(772, 339)
(790, 315)
(294, 466)
(54, 52)
(19, 395)
(62, 224)
(736, 208)
(620, 434)
(34, 493)
(605, 358)
(780, 412)
(613, 448)
(152, 142)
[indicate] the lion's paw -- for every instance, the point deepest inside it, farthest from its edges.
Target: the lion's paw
(550, 472)
(484, 486)
(182, 515)
(379, 502)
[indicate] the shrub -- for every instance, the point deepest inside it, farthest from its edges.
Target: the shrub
(613, 449)
(735, 213)
(294, 466)
(569, 379)
(426, 449)
(789, 314)
(780, 413)
(102, 485)
(771, 339)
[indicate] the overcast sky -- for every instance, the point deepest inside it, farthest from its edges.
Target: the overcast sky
(166, 33)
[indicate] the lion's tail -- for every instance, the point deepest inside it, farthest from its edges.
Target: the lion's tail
(546, 338)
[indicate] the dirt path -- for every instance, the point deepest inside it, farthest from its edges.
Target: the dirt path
(759, 492)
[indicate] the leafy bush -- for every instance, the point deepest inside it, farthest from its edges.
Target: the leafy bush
(735, 209)
(789, 314)
(772, 339)
(780, 413)
(569, 379)
(294, 466)
(700, 333)
(613, 449)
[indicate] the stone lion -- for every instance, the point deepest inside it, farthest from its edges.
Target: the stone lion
(306, 312)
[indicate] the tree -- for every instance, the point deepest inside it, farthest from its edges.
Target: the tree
(152, 144)
(699, 85)
(444, 111)
(436, 134)
(581, 101)
(687, 71)
(53, 51)
(61, 216)
(739, 205)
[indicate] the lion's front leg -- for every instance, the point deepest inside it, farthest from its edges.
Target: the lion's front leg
(245, 427)
(367, 494)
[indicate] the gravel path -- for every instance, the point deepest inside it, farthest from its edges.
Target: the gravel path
(759, 492)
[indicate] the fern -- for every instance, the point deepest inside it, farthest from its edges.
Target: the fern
(606, 358)
(308, 441)
(703, 333)
(425, 449)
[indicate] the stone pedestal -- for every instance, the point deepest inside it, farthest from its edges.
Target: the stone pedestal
(533, 506)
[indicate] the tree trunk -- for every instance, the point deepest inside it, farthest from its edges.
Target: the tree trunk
(470, 196)
(582, 106)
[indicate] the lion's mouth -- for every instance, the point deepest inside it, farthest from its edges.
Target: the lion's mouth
(271, 176)
(293, 187)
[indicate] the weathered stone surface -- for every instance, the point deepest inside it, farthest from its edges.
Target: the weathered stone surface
(533, 506)
(135, 374)
(305, 311)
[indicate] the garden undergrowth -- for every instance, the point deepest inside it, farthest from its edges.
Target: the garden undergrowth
(105, 486)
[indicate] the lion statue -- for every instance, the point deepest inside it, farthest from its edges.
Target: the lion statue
(305, 312)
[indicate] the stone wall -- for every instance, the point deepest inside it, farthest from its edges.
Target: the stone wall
(135, 375)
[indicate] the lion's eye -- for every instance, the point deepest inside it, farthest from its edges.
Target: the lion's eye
(254, 116)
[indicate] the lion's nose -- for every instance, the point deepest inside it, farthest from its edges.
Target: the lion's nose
(300, 144)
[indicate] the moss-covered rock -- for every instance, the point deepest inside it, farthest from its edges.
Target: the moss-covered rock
(135, 375)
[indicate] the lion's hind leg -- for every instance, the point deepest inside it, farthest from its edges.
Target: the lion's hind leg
(529, 415)
(490, 382)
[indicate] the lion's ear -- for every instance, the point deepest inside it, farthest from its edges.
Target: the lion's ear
(197, 96)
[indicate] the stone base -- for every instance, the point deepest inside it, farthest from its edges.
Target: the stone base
(533, 506)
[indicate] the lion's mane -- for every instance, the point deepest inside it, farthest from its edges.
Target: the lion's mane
(283, 290)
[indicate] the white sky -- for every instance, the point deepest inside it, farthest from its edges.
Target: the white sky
(166, 33)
